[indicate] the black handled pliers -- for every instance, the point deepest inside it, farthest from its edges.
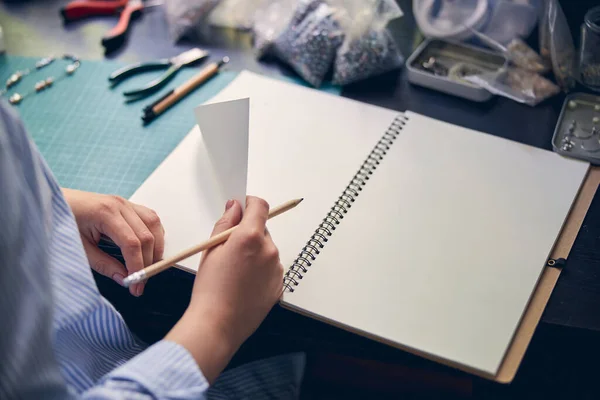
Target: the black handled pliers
(173, 65)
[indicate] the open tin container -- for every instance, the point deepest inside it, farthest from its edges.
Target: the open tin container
(439, 65)
(577, 132)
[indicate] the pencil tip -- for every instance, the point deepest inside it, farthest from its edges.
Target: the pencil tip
(301, 200)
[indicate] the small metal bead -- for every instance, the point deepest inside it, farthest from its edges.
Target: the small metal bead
(16, 98)
(566, 145)
(39, 86)
(14, 79)
(71, 68)
(44, 62)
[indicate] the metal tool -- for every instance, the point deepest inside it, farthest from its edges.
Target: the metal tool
(173, 65)
(128, 10)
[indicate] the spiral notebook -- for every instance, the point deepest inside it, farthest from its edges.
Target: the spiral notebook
(420, 234)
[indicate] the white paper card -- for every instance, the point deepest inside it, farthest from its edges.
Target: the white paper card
(224, 128)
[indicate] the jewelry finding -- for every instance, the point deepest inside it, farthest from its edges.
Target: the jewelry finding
(16, 98)
(42, 85)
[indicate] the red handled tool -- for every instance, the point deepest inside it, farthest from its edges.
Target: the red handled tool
(127, 9)
(79, 9)
(116, 36)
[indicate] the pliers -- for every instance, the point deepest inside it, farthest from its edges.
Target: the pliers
(172, 65)
(128, 10)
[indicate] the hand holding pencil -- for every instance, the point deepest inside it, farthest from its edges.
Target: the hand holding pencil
(215, 240)
(236, 286)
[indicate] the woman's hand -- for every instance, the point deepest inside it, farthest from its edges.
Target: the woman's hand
(236, 286)
(135, 229)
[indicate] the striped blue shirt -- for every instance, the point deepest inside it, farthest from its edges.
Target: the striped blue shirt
(59, 338)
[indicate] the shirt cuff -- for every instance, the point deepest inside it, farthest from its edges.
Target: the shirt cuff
(163, 369)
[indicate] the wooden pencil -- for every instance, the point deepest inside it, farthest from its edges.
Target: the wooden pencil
(162, 265)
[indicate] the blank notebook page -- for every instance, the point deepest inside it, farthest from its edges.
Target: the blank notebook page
(302, 143)
(443, 248)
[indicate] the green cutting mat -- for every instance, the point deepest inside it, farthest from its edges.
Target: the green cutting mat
(89, 137)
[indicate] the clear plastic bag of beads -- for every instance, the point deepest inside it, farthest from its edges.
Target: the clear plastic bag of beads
(187, 18)
(516, 84)
(310, 40)
(368, 48)
(236, 14)
(270, 20)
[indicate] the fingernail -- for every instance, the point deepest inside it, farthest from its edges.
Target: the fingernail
(135, 290)
(229, 204)
(140, 289)
(118, 278)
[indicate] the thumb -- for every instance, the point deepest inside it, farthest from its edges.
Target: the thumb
(104, 264)
(231, 217)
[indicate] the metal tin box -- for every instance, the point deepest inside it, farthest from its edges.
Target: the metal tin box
(449, 56)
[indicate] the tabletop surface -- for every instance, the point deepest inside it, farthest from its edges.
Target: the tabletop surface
(34, 28)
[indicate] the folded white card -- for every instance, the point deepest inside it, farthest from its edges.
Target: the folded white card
(224, 128)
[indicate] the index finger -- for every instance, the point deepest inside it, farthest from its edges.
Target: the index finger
(123, 235)
(256, 214)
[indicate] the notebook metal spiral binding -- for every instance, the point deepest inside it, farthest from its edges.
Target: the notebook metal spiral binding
(319, 238)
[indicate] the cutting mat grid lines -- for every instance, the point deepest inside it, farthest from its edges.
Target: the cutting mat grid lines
(91, 139)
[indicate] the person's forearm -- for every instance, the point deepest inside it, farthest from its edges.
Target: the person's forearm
(208, 342)
(66, 192)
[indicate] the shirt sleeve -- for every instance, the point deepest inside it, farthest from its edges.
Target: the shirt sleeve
(28, 367)
(165, 370)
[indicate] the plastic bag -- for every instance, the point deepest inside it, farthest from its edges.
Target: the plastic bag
(518, 52)
(556, 44)
(455, 20)
(187, 17)
(368, 48)
(516, 84)
(269, 22)
(309, 41)
(525, 57)
(236, 14)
